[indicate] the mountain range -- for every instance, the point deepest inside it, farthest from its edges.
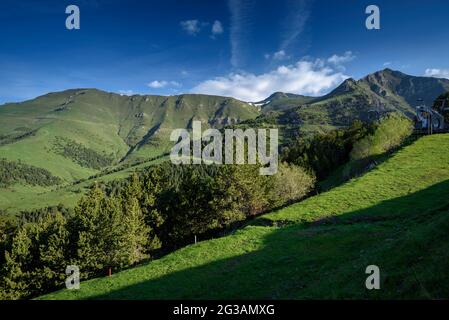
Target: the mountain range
(77, 133)
(365, 99)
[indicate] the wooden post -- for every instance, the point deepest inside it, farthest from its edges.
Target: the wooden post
(110, 272)
(195, 239)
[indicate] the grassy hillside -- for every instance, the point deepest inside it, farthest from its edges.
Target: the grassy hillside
(74, 134)
(396, 217)
(77, 133)
(25, 197)
(76, 127)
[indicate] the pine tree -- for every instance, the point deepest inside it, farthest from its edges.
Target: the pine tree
(51, 241)
(136, 233)
(15, 278)
(109, 232)
(86, 240)
(151, 188)
(111, 235)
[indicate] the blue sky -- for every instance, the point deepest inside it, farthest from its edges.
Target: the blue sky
(246, 49)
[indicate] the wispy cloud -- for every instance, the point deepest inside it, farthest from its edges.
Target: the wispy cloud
(192, 27)
(217, 28)
(126, 92)
(158, 84)
(278, 55)
(437, 73)
(241, 24)
(304, 77)
(295, 22)
(241, 11)
(340, 59)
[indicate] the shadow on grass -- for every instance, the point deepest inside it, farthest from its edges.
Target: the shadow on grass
(324, 259)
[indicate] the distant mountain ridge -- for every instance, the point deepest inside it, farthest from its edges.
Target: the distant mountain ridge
(48, 131)
(364, 99)
(281, 101)
(388, 86)
(41, 131)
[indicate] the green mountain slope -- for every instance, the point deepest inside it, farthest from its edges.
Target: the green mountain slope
(78, 133)
(395, 216)
(83, 130)
(104, 124)
(392, 84)
(363, 99)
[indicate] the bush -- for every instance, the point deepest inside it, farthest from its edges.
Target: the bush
(323, 153)
(441, 103)
(391, 131)
(292, 183)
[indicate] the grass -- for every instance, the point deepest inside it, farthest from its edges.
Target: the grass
(411, 169)
(21, 197)
(136, 127)
(130, 128)
(395, 217)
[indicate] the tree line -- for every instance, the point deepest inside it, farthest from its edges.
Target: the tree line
(356, 146)
(122, 223)
(82, 155)
(17, 172)
(325, 152)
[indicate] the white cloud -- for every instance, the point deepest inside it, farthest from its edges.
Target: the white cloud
(305, 77)
(279, 56)
(338, 60)
(388, 63)
(192, 27)
(437, 73)
(126, 92)
(156, 84)
(217, 28)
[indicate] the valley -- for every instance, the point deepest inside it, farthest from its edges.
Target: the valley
(224, 158)
(79, 133)
(354, 188)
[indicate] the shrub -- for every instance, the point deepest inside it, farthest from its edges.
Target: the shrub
(391, 131)
(323, 153)
(291, 183)
(442, 103)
